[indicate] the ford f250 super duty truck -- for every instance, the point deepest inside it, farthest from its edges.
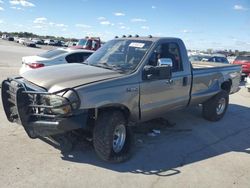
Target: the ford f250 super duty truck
(127, 81)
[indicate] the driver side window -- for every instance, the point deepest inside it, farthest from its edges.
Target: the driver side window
(167, 50)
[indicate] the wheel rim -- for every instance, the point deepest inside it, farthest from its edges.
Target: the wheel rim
(119, 138)
(221, 106)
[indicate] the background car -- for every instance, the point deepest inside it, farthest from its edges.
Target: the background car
(49, 42)
(244, 61)
(54, 57)
(10, 38)
(29, 43)
(16, 39)
(21, 40)
(58, 43)
(4, 36)
(198, 57)
(37, 41)
(217, 58)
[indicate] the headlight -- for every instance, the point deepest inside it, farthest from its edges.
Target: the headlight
(59, 105)
(64, 103)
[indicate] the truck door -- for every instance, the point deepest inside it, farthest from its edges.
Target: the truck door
(160, 95)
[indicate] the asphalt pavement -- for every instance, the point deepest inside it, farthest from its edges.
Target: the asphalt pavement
(192, 152)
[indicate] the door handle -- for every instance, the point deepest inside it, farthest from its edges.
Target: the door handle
(185, 81)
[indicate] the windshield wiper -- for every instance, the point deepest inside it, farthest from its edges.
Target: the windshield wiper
(107, 66)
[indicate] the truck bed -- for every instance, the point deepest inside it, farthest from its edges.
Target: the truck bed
(205, 65)
(207, 77)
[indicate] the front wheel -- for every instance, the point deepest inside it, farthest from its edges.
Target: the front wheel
(215, 108)
(112, 138)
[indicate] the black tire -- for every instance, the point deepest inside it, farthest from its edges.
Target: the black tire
(103, 137)
(210, 107)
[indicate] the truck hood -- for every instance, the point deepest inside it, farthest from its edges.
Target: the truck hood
(54, 78)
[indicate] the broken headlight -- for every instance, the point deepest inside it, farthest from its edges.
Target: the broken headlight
(59, 105)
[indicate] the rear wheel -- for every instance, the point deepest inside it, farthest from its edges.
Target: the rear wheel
(215, 108)
(112, 138)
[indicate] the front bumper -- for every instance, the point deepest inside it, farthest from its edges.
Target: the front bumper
(45, 128)
(20, 106)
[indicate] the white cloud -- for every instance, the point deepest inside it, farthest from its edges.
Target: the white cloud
(239, 7)
(16, 8)
(61, 25)
(23, 3)
(145, 27)
(41, 20)
(120, 23)
(106, 23)
(1, 9)
(38, 26)
(153, 7)
(138, 20)
(18, 25)
(186, 31)
(101, 18)
(119, 14)
(124, 27)
(83, 26)
(1, 21)
(1, 2)
(51, 23)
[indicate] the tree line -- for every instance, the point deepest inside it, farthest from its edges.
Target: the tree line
(32, 35)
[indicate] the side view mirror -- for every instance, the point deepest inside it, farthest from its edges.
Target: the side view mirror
(165, 62)
(157, 72)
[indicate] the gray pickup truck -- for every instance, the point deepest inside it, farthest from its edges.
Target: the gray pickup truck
(127, 81)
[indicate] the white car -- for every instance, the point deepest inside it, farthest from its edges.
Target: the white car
(248, 83)
(54, 57)
(49, 42)
(37, 41)
(21, 40)
(29, 43)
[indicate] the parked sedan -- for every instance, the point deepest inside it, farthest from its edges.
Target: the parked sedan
(29, 43)
(54, 57)
(217, 58)
(49, 42)
(21, 40)
(37, 41)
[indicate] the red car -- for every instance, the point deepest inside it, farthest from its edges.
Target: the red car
(89, 43)
(244, 61)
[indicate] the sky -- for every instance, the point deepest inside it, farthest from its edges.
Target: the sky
(202, 24)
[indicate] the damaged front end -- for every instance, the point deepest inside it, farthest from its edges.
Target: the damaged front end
(42, 113)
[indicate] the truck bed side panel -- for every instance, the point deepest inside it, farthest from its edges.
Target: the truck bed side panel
(208, 78)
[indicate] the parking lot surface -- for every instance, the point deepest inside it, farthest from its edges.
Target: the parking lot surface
(191, 153)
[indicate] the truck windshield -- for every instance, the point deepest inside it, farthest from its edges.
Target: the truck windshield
(82, 42)
(122, 55)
